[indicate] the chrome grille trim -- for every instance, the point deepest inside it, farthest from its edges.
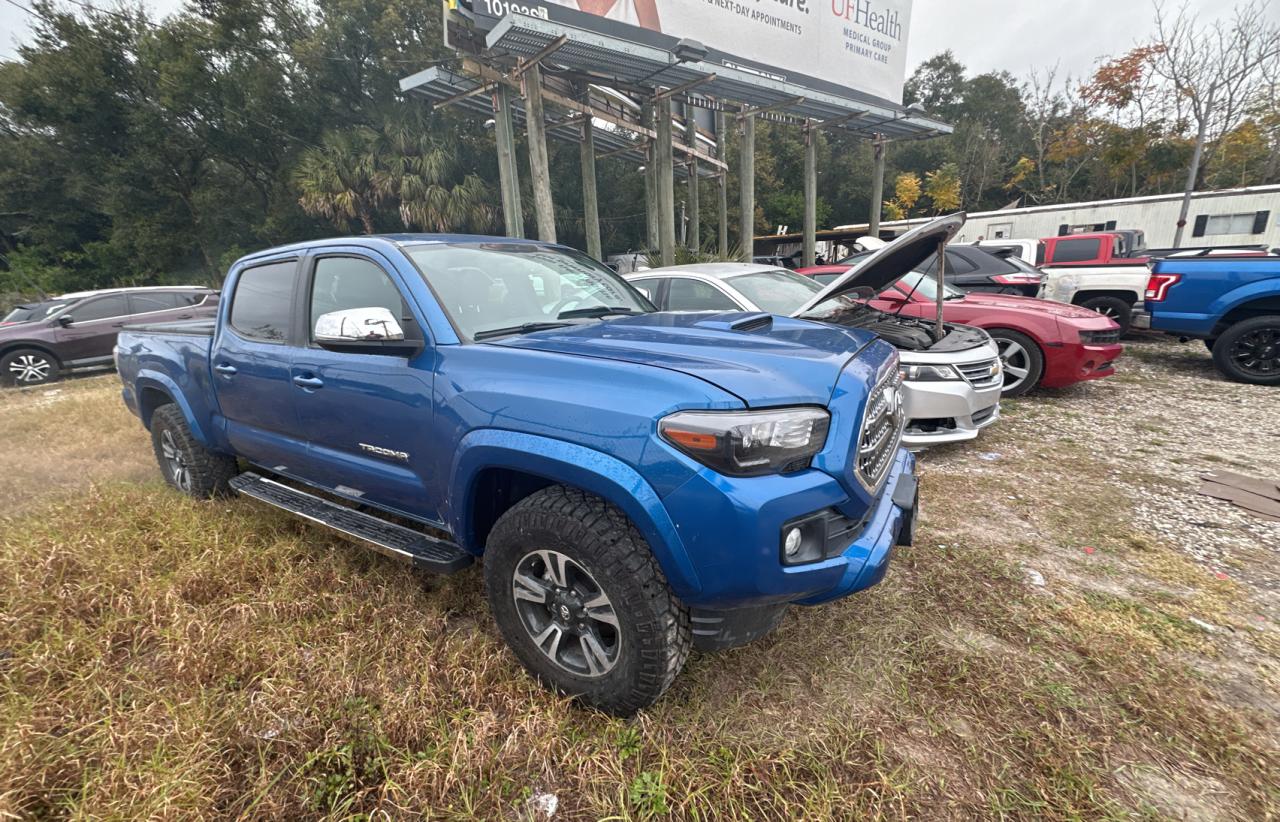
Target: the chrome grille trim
(881, 431)
(979, 373)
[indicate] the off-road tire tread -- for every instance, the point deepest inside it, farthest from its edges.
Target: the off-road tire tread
(1223, 343)
(211, 472)
(614, 550)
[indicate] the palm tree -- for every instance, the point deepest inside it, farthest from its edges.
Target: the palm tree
(338, 178)
(354, 172)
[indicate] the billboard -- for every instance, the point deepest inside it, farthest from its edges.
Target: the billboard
(847, 47)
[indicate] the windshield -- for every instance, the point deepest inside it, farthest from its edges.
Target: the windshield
(488, 288)
(778, 291)
(32, 313)
(926, 286)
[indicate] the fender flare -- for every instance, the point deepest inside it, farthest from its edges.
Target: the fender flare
(1236, 297)
(580, 467)
(150, 379)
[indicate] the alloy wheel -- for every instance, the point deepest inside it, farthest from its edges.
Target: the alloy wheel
(1016, 361)
(30, 368)
(566, 613)
(176, 461)
(1109, 312)
(1258, 352)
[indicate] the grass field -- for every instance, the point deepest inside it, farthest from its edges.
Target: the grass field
(166, 658)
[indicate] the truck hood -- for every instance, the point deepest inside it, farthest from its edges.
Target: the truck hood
(891, 262)
(763, 360)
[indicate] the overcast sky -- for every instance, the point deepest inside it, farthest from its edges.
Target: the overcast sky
(984, 34)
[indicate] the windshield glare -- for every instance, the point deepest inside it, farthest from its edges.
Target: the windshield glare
(778, 291)
(927, 287)
(490, 286)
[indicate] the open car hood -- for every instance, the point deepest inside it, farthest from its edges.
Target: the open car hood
(891, 262)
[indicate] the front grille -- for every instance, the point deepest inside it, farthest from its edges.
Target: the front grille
(979, 417)
(983, 373)
(1100, 337)
(881, 430)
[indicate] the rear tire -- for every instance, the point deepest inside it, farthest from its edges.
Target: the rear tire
(1018, 352)
(1249, 351)
(581, 601)
(186, 464)
(28, 366)
(1113, 307)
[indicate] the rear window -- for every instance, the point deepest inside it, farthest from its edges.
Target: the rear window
(262, 305)
(1075, 251)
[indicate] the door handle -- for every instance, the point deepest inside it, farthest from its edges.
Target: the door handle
(224, 369)
(308, 382)
(185, 316)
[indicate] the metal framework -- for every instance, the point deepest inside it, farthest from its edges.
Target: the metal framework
(620, 95)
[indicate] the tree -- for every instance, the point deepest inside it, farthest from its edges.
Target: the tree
(942, 187)
(1212, 72)
(339, 179)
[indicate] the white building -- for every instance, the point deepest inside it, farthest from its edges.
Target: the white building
(1233, 216)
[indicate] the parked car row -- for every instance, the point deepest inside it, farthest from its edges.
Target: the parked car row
(40, 341)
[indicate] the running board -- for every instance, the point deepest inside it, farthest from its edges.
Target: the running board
(386, 538)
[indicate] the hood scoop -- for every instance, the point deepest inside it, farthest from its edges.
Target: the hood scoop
(755, 321)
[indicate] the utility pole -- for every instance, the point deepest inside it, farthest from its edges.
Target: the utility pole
(665, 182)
(508, 166)
(747, 182)
(693, 236)
(810, 192)
(590, 206)
(722, 186)
(877, 185)
(539, 166)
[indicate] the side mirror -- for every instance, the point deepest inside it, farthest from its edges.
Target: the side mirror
(372, 330)
(66, 320)
(373, 324)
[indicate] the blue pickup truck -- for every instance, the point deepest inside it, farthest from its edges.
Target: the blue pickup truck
(636, 482)
(1230, 302)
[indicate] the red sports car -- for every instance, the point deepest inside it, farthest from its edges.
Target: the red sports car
(1042, 342)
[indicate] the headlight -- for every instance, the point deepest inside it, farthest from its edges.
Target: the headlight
(928, 373)
(749, 443)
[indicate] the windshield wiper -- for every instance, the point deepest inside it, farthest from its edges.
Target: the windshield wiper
(523, 328)
(595, 311)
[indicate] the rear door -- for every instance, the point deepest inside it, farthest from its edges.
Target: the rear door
(251, 360)
(365, 412)
(89, 329)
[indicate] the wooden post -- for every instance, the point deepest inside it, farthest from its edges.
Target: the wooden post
(590, 206)
(650, 183)
(747, 183)
(508, 167)
(666, 183)
(877, 186)
(722, 186)
(810, 192)
(539, 167)
(694, 239)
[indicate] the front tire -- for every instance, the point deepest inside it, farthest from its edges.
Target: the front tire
(28, 366)
(1249, 351)
(1114, 308)
(581, 601)
(1022, 360)
(186, 464)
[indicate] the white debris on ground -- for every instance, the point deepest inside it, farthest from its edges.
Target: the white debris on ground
(542, 805)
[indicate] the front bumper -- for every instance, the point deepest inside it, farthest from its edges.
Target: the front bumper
(731, 530)
(947, 411)
(1072, 363)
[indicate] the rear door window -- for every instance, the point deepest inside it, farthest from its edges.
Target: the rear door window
(145, 303)
(685, 294)
(261, 308)
(103, 308)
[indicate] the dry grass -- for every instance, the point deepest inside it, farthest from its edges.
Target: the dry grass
(164, 658)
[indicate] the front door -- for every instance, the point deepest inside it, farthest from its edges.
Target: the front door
(364, 412)
(251, 358)
(89, 330)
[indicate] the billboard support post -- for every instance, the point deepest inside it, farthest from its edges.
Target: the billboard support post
(590, 204)
(650, 182)
(666, 182)
(722, 187)
(539, 167)
(810, 192)
(508, 167)
(877, 185)
(691, 137)
(747, 184)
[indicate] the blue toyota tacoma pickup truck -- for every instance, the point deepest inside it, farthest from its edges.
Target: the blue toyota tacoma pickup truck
(636, 482)
(1232, 303)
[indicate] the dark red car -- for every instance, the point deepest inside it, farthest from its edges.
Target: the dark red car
(39, 341)
(1042, 342)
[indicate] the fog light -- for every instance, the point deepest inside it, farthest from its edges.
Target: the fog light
(792, 543)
